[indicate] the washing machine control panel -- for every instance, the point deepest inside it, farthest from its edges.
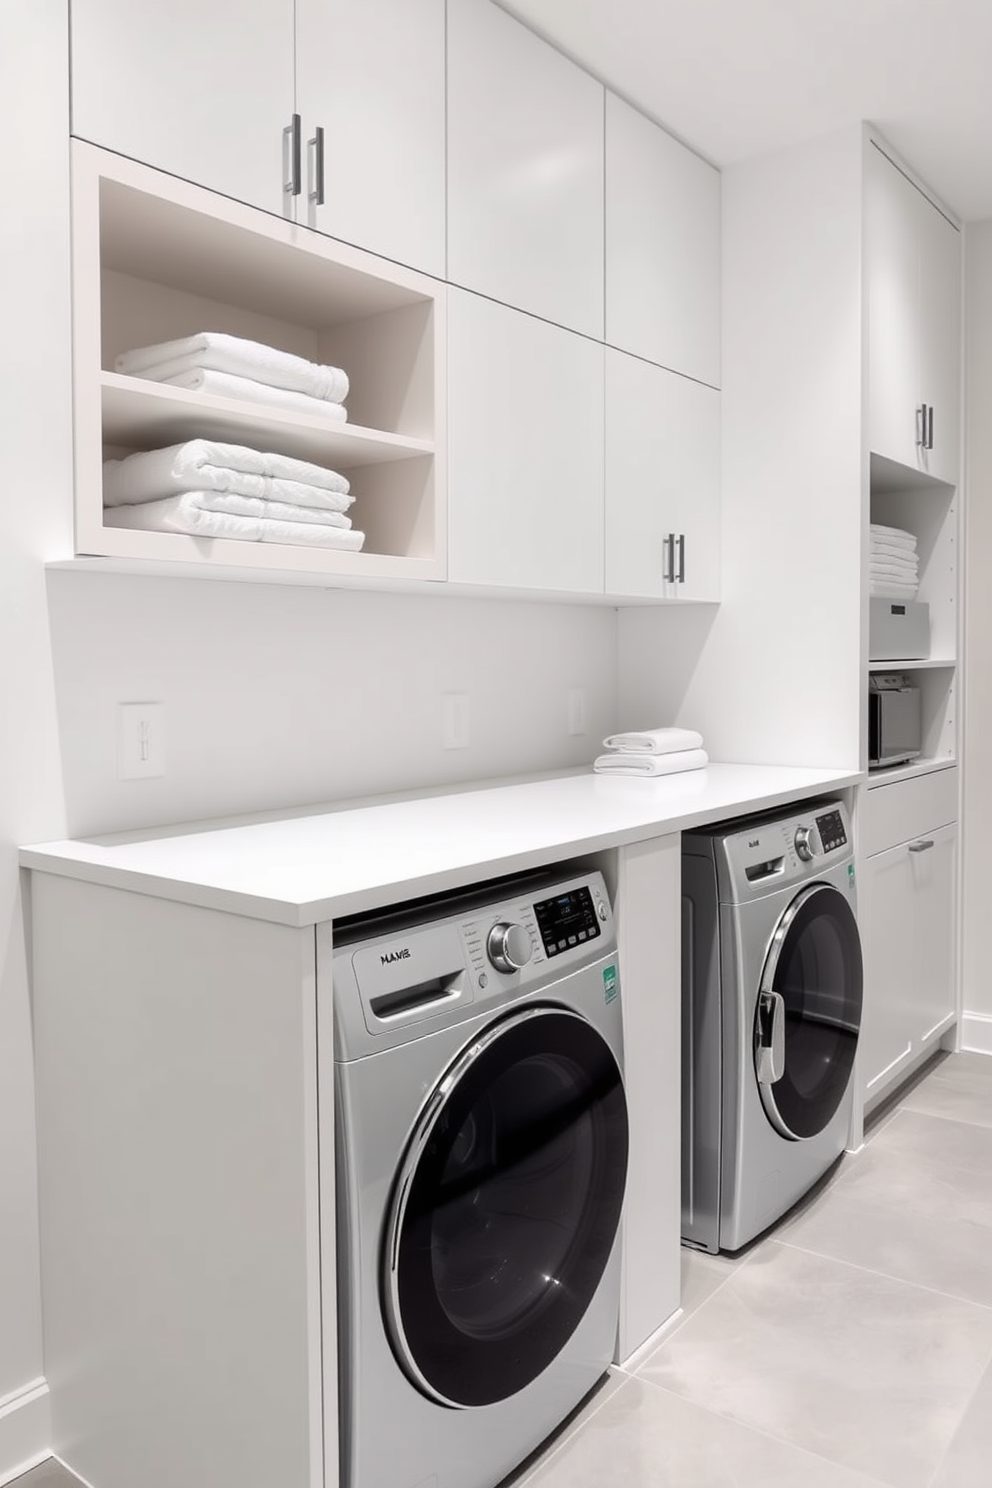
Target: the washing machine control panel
(568, 920)
(832, 831)
(509, 946)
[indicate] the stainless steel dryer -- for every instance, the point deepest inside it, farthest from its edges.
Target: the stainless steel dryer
(772, 990)
(481, 1146)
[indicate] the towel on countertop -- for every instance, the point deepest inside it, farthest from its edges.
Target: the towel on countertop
(222, 353)
(892, 534)
(655, 741)
(187, 514)
(226, 385)
(619, 762)
(202, 465)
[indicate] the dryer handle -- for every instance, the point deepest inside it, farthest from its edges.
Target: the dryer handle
(771, 1037)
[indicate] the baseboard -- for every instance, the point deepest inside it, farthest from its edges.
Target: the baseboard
(976, 1033)
(25, 1429)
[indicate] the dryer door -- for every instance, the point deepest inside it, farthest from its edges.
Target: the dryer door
(506, 1207)
(809, 1012)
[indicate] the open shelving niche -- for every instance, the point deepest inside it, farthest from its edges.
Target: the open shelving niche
(916, 502)
(154, 259)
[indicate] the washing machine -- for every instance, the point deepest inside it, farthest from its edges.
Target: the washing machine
(772, 989)
(481, 1156)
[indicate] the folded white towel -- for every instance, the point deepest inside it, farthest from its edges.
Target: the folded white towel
(259, 506)
(186, 514)
(655, 741)
(226, 385)
(202, 465)
(880, 549)
(620, 762)
(883, 588)
(892, 534)
(224, 353)
(892, 566)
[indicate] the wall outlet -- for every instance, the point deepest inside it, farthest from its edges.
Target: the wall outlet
(575, 702)
(454, 720)
(140, 741)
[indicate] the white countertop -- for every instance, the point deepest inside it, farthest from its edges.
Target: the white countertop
(299, 867)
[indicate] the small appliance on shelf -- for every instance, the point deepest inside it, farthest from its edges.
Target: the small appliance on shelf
(894, 727)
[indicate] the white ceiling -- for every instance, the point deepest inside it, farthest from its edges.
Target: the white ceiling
(736, 78)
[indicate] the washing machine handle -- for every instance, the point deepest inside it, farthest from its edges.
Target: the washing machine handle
(771, 1037)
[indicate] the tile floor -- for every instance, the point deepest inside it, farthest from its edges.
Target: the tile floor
(849, 1348)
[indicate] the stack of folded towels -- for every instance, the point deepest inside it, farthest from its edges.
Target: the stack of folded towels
(227, 490)
(231, 367)
(893, 564)
(660, 751)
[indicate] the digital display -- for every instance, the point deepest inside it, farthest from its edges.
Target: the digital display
(832, 832)
(566, 921)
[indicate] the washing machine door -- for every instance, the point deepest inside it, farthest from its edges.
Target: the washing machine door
(506, 1207)
(809, 1012)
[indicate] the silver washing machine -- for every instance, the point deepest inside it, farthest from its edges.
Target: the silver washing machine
(481, 1147)
(772, 989)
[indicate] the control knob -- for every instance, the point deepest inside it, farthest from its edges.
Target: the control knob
(805, 848)
(508, 946)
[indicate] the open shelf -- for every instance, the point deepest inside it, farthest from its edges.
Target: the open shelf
(156, 259)
(923, 766)
(929, 663)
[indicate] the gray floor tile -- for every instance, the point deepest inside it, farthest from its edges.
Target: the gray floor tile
(959, 1087)
(48, 1474)
(868, 1372)
(647, 1437)
(916, 1205)
(702, 1274)
(529, 1471)
(968, 1463)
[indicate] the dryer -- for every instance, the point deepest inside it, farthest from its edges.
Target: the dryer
(772, 980)
(481, 1153)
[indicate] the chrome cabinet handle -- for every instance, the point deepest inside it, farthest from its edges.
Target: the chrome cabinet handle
(921, 846)
(930, 429)
(316, 193)
(681, 557)
(921, 426)
(669, 563)
(291, 144)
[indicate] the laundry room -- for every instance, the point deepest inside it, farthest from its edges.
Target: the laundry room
(645, 463)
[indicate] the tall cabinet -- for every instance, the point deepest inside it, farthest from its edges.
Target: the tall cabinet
(909, 837)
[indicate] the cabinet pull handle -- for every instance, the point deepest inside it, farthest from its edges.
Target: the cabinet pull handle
(921, 426)
(291, 138)
(669, 561)
(921, 846)
(681, 557)
(316, 193)
(930, 429)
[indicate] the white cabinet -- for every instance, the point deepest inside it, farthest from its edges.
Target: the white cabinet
(189, 87)
(662, 483)
(193, 90)
(907, 913)
(913, 259)
(370, 75)
(525, 170)
(525, 457)
(662, 246)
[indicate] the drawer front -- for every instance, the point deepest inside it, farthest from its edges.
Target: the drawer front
(896, 813)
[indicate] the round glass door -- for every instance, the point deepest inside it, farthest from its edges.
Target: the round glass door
(809, 1012)
(506, 1207)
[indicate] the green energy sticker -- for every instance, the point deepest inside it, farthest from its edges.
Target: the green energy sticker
(610, 984)
(850, 872)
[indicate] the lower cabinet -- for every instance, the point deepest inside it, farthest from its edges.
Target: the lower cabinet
(907, 905)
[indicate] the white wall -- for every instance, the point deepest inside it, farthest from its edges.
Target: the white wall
(284, 696)
(976, 815)
(774, 674)
(34, 376)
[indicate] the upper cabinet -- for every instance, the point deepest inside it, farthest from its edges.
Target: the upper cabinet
(662, 247)
(913, 261)
(525, 170)
(329, 112)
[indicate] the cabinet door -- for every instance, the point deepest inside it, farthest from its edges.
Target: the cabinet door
(662, 246)
(940, 337)
(886, 1042)
(370, 73)
(525, 170)
(662, 482)
(893, 277)
(189, 87)
(932, 861)
(525, 450)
